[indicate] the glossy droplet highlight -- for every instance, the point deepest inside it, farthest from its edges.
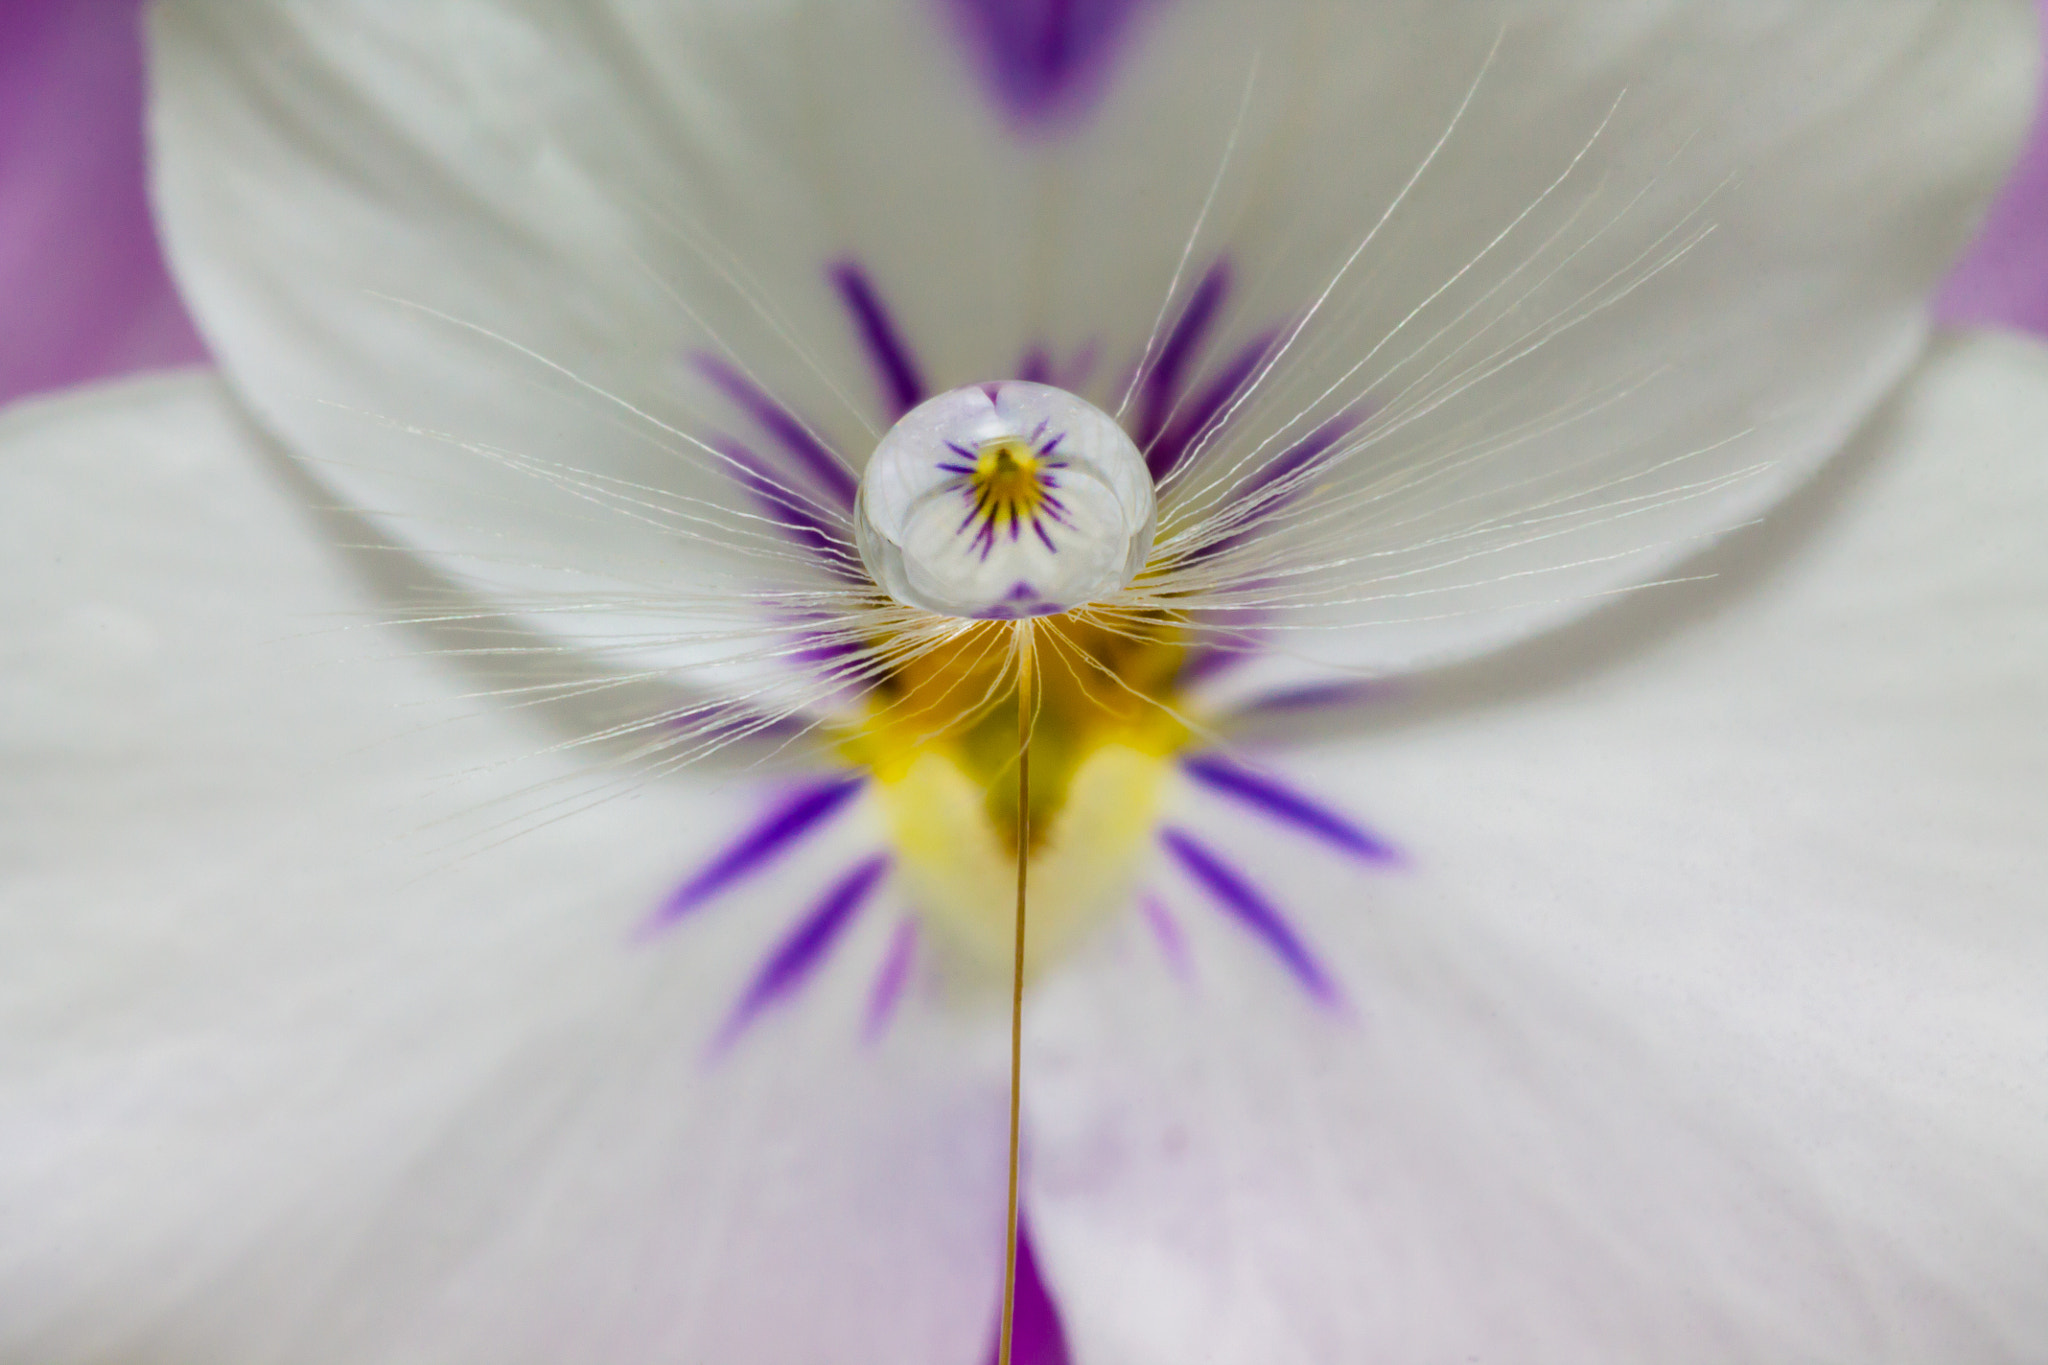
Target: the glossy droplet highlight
(1001, 501)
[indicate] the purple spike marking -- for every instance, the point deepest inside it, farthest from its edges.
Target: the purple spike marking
(787, 822)
(1228, 887)
(1165, 926)
(1162, 383)
(782, 424)
(1038, 1337)
(1261, 496)
(806, 946)
(902, 385)
(1046, 62)
(1319, 696)
(1280, 802)
(891, 980)
(790, 515)
(1197, 417)
(1036, 366)
(1225, 649)
(732, 721)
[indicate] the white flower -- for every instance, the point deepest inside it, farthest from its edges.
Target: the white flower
(1698, 1017)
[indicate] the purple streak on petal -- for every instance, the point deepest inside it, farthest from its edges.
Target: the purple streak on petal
(788, 821)
(796, 519)
(890, 980)
(1163, 380)
(1195, 418)
(1269, 491)
(1304, 454)
(83, 290)
(805, 947)
(730, 720)
(2003, 278)
(825, 650)
(1038, 1337)
(1083, 367)
(1046, 62)
(1249, 906)
(1318, 696)
(1036, 366)
(1281, 802)
(782, 424)
(902, 385)
(1173, 940)
(1214, 656)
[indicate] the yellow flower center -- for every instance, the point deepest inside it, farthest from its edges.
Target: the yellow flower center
(940, 736)
(1007, 490)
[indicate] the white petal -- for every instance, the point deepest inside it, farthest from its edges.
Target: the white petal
(618, 185)
(1706, 1023)
(293, 1066)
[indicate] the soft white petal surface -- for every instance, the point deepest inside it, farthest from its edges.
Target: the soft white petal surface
(1708, 1024)
(1564, 384)
(286, 1076)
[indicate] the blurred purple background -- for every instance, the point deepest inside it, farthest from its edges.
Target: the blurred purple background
(84, 294)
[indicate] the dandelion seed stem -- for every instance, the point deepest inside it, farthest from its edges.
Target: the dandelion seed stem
(1025, 664)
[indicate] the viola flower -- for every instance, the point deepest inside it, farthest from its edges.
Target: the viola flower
(1440, 949)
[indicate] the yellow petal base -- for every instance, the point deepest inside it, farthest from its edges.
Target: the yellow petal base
(1104, 732)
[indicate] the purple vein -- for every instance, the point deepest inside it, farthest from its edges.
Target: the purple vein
(902, 385)
(1161, 385)
(800, 523)
(1278, 484)
(1280, 802)
(789, 820)
(1172, 445)
(782, 424)
(891, 979)
(806, 946)
(1249, 906)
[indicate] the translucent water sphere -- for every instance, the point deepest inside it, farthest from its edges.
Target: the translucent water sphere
(1004, 500)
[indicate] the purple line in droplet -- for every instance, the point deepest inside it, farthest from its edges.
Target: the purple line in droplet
(890, 980)
(1173, 940)
(806, 946)
(1290, 807)
(902, 385)
(1162, 383)
(782, 424)
(789, 820)
(1192, 423)
(1228, 887)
